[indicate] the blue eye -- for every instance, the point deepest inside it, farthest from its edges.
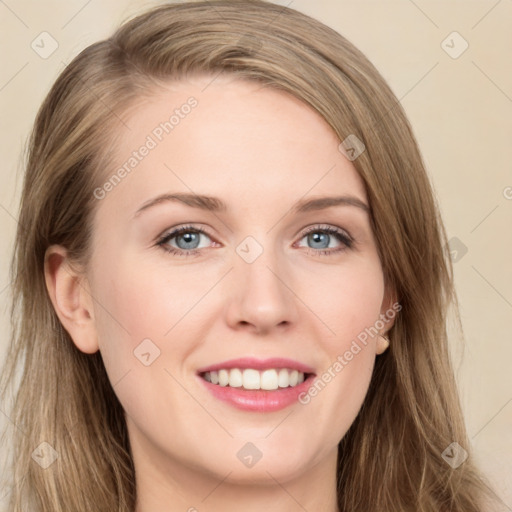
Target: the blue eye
(321, 236)
(186, 240)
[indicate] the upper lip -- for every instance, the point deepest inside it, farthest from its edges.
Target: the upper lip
(258, 364)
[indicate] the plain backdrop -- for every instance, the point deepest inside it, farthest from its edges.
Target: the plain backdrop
(448, 62)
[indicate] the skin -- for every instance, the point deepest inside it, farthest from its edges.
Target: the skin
(260, 151)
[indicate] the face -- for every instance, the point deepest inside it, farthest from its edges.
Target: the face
(201, 302)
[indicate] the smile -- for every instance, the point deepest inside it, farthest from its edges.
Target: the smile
(252, 379)
(257, 385)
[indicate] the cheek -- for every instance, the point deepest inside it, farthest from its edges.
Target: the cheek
(138, 315)
(339, 389)
(146, 329)
(349, 305)
(143, 302)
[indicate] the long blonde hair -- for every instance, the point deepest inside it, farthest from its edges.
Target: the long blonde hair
(390, 459)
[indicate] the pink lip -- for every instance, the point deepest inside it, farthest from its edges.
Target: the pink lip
(258, 400)
(258, 364)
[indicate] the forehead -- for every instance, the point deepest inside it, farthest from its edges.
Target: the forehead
(228, 138)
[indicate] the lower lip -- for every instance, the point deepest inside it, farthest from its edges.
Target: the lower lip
(258, 400)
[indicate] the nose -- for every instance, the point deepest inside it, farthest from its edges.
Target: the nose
(261, 295)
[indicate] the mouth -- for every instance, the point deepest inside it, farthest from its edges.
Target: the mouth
(256, 385)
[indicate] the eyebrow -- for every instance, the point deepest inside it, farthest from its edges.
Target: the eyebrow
(215, 204)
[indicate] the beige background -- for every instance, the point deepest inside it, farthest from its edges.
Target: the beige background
(460, 109)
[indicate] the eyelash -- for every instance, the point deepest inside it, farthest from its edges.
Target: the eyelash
(340, 235)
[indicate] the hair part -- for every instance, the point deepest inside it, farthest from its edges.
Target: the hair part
(391, 456)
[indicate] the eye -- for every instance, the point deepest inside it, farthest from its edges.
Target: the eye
(183, 241)
(321, 238)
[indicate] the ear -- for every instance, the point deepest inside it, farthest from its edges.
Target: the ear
(69, 293)
(389, 309)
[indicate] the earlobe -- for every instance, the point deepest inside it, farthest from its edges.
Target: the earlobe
(382, 344)
(389, 310)
(68, 290)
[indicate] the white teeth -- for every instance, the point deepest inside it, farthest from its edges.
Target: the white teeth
(253, 379)
(269, 380)
(283, 378)
(235, 378)
(223, 378)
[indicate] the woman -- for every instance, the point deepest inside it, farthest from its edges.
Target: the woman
(230, 283)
